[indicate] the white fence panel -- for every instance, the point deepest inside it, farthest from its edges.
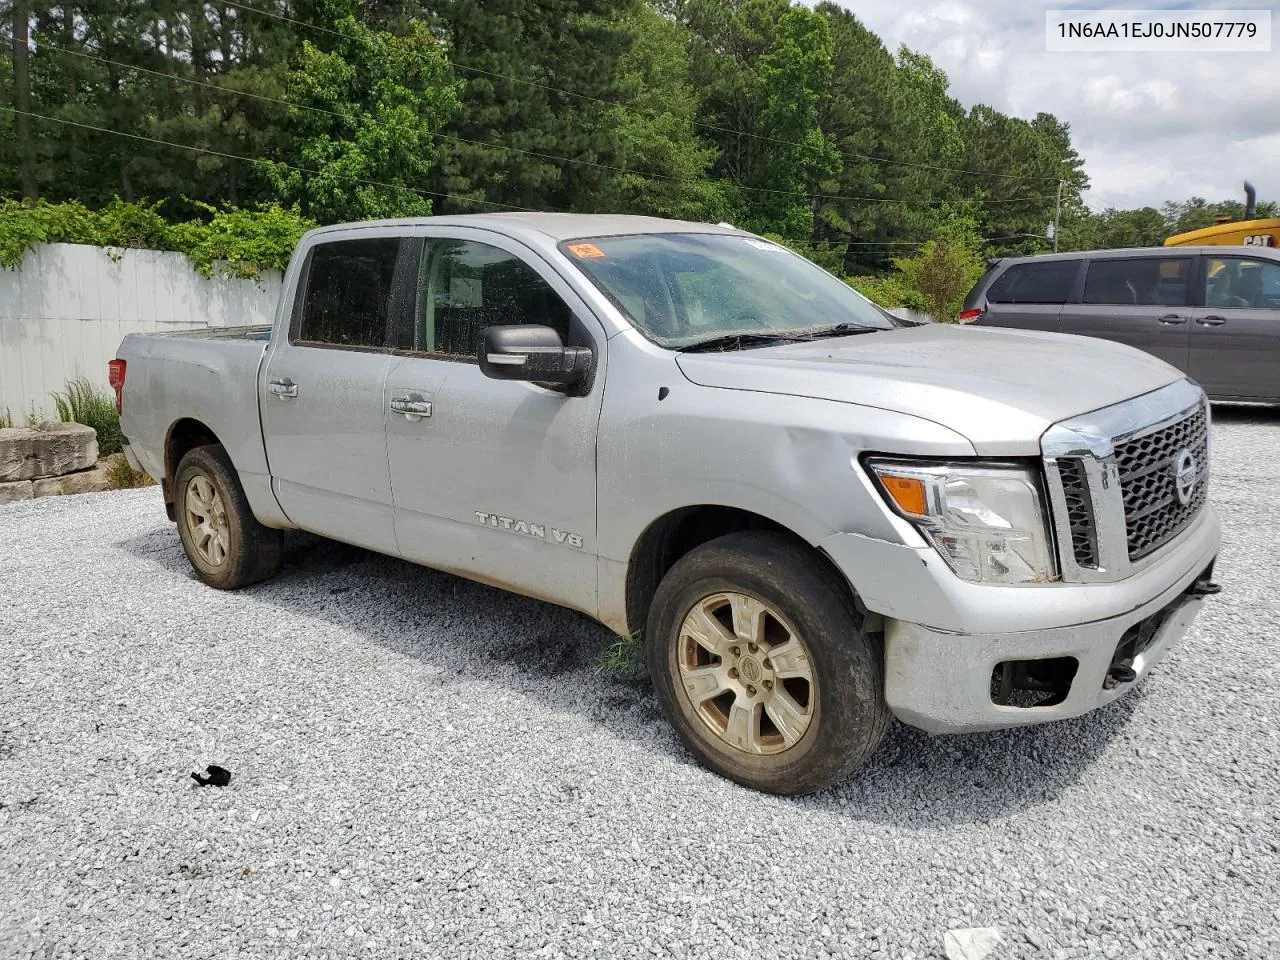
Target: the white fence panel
(65, 311)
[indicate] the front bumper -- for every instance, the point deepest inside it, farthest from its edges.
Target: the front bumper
(940, 661)
(943, 683)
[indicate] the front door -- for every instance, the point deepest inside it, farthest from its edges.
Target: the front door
(1139, 301)
(493, 479)
(322, 395)
(1235, 336)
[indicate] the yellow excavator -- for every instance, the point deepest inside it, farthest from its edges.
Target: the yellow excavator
(1234, 233)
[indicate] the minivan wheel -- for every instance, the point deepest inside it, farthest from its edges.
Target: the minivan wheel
(227, 546)
(758, 657)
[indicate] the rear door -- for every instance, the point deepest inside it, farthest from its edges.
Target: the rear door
(322, 394)
(1030, 295)
(1140, 301)
(493, 479)
(1235, 335)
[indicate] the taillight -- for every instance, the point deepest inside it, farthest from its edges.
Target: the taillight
(115, 377)
(968, 316)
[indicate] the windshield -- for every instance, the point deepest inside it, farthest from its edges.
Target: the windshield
(680, 289)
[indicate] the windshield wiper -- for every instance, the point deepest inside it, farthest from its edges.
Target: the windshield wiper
(740, 341)
(842, 330)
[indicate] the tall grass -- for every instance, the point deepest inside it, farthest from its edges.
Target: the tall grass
(624, 655)
(121, 476)
(84, 403)
(6, 421)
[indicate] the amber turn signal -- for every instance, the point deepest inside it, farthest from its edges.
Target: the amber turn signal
(906, 492)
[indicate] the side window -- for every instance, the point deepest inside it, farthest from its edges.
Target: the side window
(1237, 282)
(1141, 281)
(1048, 282)
(465, 286)
(348, 293)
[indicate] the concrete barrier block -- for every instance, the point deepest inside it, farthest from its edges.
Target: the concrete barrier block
(13, 492)
(82, 481)
(50, 450)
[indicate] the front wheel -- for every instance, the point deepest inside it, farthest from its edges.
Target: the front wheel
(227, 546)
(759, 660)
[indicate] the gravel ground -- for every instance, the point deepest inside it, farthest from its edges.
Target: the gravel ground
(425, 766)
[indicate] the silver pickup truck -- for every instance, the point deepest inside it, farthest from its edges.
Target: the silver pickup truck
(816, 516)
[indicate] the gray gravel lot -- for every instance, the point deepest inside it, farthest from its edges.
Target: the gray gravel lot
(428, 767)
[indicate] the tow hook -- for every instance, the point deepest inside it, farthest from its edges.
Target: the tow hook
(1205, 588)
(1119, 673)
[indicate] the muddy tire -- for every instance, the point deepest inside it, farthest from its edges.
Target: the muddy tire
(227, 546)
(757, 655)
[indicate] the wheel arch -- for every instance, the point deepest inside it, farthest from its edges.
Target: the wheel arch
(669, 537)
(183, 435)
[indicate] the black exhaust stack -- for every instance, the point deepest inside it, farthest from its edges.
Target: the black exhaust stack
(1250, 200)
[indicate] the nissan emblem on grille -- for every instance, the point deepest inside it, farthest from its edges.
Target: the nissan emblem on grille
(1185, 475)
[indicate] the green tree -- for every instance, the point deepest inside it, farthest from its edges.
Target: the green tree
(1144, 227)
(1031, 157)
(376, 99)
(652, 132)
(945, 268)
(762, 67)
(539, 77)
(897, 130)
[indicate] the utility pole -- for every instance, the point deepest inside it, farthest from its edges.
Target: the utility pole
(22, 97)
(1057, 212)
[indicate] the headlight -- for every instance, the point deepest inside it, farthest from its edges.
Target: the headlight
(987, 522)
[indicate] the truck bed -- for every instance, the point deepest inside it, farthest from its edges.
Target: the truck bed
(208, 376)
(257, 332)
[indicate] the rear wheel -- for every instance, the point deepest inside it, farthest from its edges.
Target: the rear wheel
(227, 546)
(758, 657)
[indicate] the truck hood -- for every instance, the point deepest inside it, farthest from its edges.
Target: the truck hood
(1001, 389)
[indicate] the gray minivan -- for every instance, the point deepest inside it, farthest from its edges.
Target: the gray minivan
(1213, 312)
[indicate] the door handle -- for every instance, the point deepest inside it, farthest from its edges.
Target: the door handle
(1211, 321)
(1172, 319)
(284, 389)
(412, 409)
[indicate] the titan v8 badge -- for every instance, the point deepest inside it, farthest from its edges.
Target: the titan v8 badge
(527, 529)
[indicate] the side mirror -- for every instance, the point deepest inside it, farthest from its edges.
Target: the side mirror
(533, 353)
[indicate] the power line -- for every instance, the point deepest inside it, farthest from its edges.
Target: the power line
(500, 146)
(237, 156)
(381, 183)
(709, 126)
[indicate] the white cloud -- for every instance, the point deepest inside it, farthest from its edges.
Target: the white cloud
(1151, 126)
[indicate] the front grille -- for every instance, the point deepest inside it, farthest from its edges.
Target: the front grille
(1075, 487)
(1148, 481)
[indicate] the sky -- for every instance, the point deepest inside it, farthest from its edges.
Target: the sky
(1150, 126)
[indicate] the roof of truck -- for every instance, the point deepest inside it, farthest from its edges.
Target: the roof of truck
(558, 226)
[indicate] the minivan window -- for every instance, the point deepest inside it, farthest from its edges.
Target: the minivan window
(1238, 282)
(1141, 281)
(348, 293)
(1047, 282)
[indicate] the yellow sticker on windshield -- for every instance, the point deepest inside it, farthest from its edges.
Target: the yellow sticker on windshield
(587, 251)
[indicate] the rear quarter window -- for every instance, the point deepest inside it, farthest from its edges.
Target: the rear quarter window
(1048, 282)
(348, 293)
(1141, 281)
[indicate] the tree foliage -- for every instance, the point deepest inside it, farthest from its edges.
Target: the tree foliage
(234, 241)
(786, 118)
(946, 267)
(1147, 226)
(369, 104)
